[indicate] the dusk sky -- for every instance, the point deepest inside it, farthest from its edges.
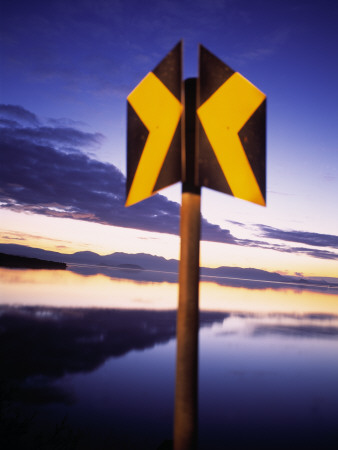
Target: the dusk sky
(66, 69)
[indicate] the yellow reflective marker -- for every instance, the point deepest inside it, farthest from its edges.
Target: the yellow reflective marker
(160, 111)
(223, 115)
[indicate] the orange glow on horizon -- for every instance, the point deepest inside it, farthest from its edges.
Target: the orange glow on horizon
(67, 289)
(70, 236)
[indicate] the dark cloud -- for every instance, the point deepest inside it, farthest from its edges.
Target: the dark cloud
(9, 123)
(65, 122)
(43, 170)
(18, 114)
(302, 237)
(315, 253)
(308, 238)
(64, 138)
(23, 125)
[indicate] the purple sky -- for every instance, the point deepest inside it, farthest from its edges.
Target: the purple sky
(68, 66)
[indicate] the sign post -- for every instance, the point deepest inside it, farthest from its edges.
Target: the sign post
(212, 136)
(186, 393)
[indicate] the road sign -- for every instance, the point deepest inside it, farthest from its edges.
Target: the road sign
(221, 146)
(232, 113)
(154, 129)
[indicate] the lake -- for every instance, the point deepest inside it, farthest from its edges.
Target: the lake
(88, 361)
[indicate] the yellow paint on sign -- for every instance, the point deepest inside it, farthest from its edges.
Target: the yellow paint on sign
(160, 111)
(222, 116)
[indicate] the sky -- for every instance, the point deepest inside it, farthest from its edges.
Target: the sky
(66, 69)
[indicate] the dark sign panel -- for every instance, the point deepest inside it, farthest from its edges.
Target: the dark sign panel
(231, 141)
(154, 129)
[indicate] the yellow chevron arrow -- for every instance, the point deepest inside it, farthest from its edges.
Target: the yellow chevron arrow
(160, 111)
(222, 116)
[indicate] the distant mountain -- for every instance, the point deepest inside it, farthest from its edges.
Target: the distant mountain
(324, 279)
(30, 252)
(245, 273)
(143, 260)
(142, 266)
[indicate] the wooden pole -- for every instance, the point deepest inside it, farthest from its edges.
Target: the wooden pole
(186, 395)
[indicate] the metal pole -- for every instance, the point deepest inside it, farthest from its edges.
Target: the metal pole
(186, 395)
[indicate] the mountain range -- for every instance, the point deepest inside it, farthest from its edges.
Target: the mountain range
(142, 266)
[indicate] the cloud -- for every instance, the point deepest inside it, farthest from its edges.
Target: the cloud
(44, 170)
(60, 137)
(65, 122)
(26, 127)
(18, 115)
(303, 237)
(313, 252)
(11, 237)
(7, 235)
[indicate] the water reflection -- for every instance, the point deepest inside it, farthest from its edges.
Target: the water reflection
(269, 381)
(206, 275)
(50, 355)
(269, 374)
(70, 289)
(101, 351)
(66, 341)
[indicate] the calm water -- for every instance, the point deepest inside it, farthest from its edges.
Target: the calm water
(88, 361)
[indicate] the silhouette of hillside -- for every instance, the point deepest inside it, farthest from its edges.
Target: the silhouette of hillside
(145, 267)
(23, 262)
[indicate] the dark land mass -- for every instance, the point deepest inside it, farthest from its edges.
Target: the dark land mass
(23, 262)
